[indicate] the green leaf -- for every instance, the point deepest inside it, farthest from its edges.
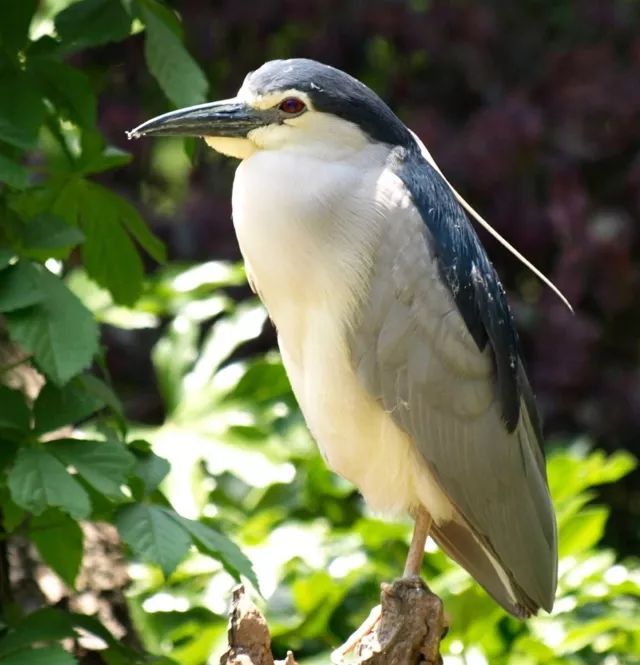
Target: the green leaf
(68, 89)
(571, 471)
(91, 23)
(14, 27)
(583, 531)
(134, 223)
(36, 200)
(93, 625)
(153, 535)
(12, 515)
(8, 451)
(12, 173)
(56, 406)
(59, 540)
(6, 256)
(164, 13)
(39, 481)
(109, 256)
(14, 412)
(43, 625)
(95, 156)
(217, 545)
(110, 158)
(180, 78)
(21, 110)
(150, 471)
(54, 655)
(45, 329)
(105, 465)
(45, 236)
(102, 391)
(20, 286)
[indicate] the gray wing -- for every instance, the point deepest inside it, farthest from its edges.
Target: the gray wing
(414, 352)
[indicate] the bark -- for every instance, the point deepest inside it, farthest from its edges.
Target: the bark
(409, 631)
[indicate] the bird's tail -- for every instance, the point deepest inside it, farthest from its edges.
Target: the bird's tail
(458, 541)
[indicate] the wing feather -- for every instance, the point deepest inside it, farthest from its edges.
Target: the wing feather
(446, 367)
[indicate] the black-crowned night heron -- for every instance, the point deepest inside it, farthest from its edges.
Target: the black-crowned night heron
(393, 326)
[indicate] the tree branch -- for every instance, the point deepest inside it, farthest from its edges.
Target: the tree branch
(411, 626)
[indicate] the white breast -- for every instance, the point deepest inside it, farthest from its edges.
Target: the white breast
(307, 246)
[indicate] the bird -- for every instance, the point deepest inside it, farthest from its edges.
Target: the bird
(393, 326)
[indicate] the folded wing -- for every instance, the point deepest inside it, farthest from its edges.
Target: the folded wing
(434, 342)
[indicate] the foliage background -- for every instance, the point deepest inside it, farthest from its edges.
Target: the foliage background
(533, 111)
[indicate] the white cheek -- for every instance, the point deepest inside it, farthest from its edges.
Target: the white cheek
(271, 137)
(321, 135)
(240, 148)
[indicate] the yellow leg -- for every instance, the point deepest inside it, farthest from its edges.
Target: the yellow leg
(412, 567)
(416, 549)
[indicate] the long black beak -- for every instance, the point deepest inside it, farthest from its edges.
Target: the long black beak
(230, 118)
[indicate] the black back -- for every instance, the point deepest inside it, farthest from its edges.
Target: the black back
(467, 271)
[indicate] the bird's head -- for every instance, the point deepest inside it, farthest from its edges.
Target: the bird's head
(293, 104)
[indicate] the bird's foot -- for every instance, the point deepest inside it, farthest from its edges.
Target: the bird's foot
(406, 628)
(343, 654)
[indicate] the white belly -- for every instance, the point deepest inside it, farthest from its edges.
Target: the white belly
(309, 286)
(358, 439)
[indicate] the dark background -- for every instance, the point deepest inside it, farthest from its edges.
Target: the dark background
(532, 110)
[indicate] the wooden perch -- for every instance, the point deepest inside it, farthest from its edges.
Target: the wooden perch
(411, 626)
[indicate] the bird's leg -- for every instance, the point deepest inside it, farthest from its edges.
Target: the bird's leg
(418, 541)
(412, 568)
(437, 624)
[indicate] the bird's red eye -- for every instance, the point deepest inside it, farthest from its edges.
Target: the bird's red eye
(292, 105)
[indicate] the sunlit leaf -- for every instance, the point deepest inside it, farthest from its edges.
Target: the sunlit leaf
(103, 464)
(109, 256)
(208, 540)
(153, 535)
(43, 330)
(583, 531)
(39, 481)
(149, 471)
(109, 223)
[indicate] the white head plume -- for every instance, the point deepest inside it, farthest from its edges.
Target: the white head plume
(483, 222)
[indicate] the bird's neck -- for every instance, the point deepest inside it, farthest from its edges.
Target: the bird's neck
(305, 225)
